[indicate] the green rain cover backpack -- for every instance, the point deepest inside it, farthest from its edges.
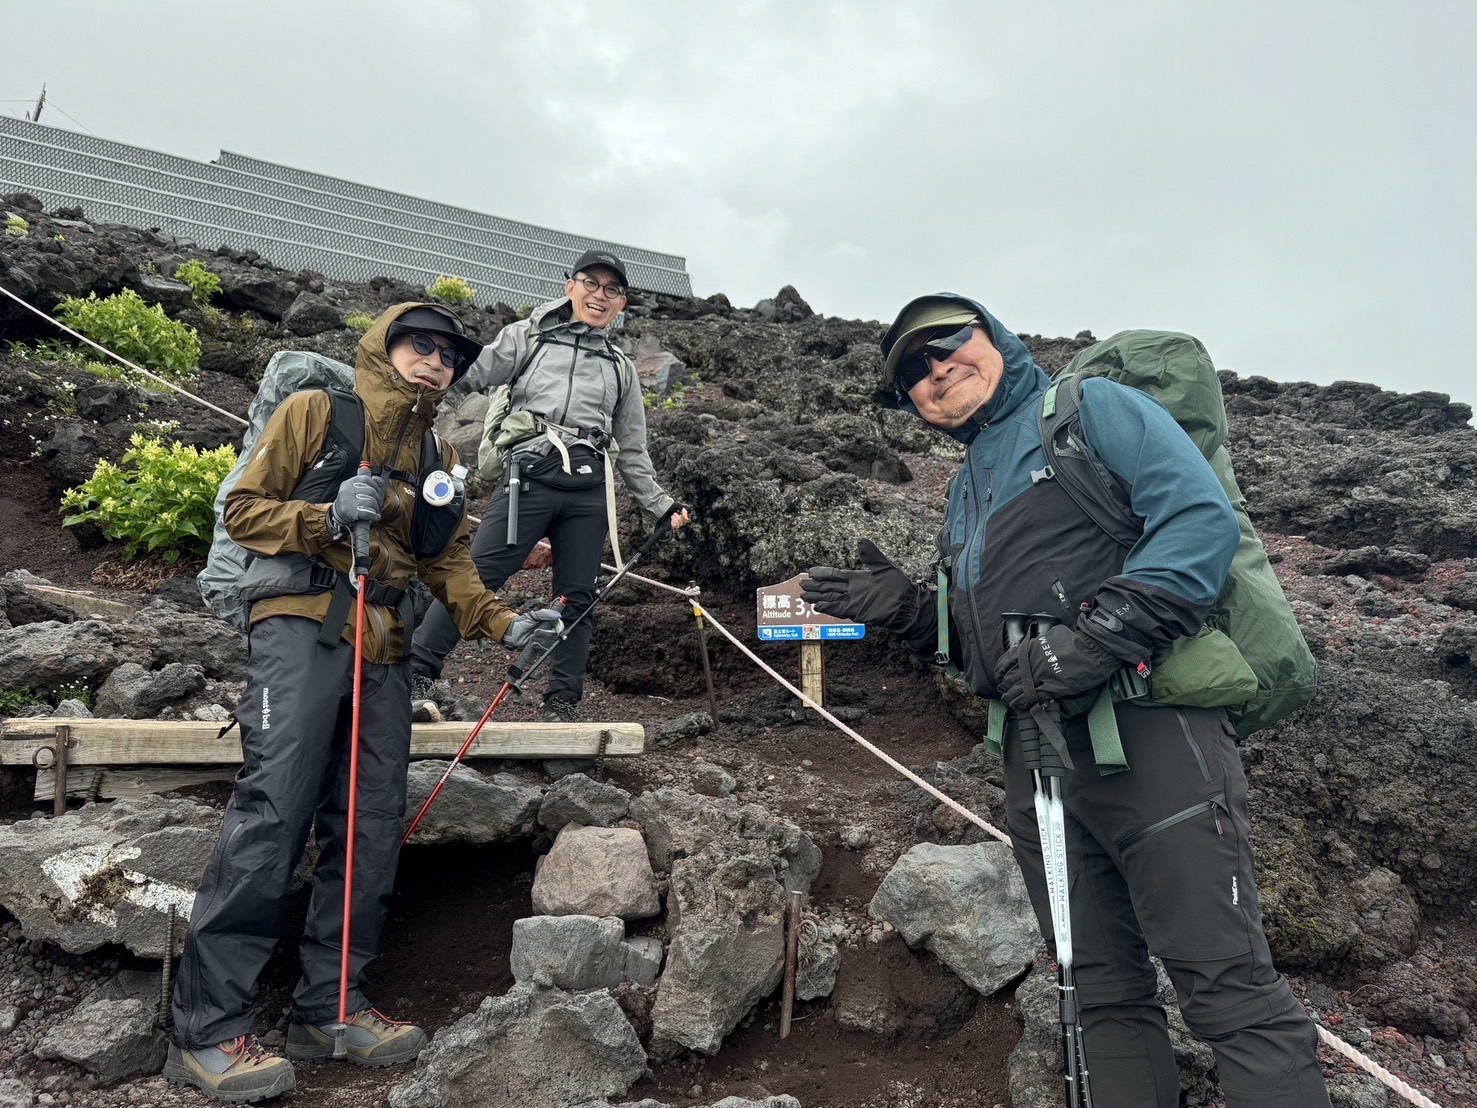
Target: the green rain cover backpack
(1251, 657)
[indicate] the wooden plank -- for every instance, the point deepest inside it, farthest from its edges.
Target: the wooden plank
(85, 604)
(813, 672)
(140, 742)
(103, 783)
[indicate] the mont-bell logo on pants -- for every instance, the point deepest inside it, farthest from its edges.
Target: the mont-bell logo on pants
(266, 708)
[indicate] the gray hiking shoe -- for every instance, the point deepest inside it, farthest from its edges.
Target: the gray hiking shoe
(238, 1071)
(559, 709)
(372, 1040)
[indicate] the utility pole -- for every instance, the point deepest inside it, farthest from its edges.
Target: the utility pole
(35, 117)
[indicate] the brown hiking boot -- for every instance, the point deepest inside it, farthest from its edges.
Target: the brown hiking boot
(371, 1038)
(238, 1071)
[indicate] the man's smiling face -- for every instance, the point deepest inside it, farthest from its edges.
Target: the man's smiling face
(595, 306)
(960, 384)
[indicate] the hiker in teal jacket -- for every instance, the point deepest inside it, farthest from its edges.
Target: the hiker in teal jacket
(1159, 856)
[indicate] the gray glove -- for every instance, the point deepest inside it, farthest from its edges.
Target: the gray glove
(360, 499)
(540, 628)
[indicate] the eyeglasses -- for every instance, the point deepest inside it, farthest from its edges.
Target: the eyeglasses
(591, 285)
(915, 367)
(425, 344)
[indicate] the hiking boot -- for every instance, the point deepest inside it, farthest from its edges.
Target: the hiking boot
(372, 1040)
(559, 709)
(238, 1071)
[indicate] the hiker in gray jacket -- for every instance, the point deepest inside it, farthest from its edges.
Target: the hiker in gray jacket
(573, 413)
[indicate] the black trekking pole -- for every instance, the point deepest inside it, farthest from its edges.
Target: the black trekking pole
(521, 670)
(1048, 763)
(515, 484)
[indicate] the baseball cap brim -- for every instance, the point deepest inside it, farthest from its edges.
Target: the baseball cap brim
(926, 313)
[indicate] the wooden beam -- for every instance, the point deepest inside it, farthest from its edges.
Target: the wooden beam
(102, 783)
(141, 742)
(85, 604)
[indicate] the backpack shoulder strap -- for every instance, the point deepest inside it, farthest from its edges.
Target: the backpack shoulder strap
(1070, 460)
(346, 429)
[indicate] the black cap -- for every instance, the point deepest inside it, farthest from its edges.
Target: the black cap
(428, 320)
(601, 257)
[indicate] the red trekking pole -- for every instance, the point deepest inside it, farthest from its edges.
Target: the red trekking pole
(518, 672)
(361, 576)
(523, 669)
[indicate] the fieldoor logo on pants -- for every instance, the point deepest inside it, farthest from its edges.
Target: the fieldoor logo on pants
(1235, 892)
(266, 709)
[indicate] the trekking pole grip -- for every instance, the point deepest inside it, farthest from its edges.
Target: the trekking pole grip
(361, 538)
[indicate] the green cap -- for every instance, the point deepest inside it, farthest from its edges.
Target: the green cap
(926, 313)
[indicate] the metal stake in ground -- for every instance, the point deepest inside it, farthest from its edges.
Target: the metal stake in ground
(361, 576)
(522, 670)
(1047, 763)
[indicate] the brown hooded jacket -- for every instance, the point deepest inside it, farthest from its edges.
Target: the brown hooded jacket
(260, 515)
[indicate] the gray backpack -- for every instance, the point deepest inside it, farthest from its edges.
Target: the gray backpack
(288, 372)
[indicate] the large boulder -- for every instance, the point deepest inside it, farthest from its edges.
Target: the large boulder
(472, 808)
(569, 952)
(113, 1039)
(43, 656)
(531, 1046)
(108, 873)
(596, 871)
(133, 692)
(965, 904)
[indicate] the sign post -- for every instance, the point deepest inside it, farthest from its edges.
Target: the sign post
(782, 615)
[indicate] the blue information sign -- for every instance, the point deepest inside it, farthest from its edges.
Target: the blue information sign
(782, 615)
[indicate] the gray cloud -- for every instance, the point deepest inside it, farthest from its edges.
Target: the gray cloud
(1288, 182)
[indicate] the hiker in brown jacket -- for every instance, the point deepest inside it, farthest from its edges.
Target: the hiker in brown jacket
(295, 508)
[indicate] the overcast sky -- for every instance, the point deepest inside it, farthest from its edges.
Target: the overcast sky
(1290, 180)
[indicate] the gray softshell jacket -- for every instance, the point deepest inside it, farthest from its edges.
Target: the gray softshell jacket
(574, 380)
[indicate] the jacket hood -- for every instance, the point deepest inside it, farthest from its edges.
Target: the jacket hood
(1022, 377)
(387, 396)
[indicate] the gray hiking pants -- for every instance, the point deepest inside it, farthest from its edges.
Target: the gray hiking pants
(295, 721)
(1159, 861)
(575, 522)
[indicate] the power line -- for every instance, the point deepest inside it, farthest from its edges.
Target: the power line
(53, 104)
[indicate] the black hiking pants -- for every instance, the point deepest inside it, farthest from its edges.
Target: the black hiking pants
(575, 522)
(1159, 861)
(295, 723)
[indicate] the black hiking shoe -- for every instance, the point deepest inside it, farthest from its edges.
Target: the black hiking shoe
(238, 1071)
(372, 1040)
(559, 709)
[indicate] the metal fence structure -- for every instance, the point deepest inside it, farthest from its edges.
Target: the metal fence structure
(302, 220)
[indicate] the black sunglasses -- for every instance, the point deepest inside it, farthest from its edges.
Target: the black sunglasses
(943, 344)
(425, 344)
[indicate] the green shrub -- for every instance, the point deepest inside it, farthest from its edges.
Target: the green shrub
(203, 283)
(138, 331)
(15, 700)
(360, 321)
(166, 501)
(16, 227)
(454, 290)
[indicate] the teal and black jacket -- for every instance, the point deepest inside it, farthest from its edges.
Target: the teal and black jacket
(1015, 542)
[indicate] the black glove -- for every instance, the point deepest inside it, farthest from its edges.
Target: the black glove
(360, 499)
(1063, 661)
(879, 592)
(541, 627)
